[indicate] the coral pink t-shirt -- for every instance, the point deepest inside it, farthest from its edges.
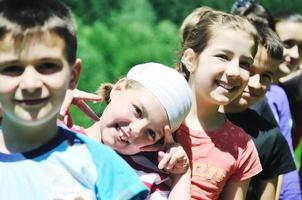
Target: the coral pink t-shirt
(227, 154)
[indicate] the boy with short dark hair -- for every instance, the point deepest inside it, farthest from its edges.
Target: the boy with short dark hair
(38, 159)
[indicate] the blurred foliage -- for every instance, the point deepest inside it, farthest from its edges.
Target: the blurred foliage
(114, 35)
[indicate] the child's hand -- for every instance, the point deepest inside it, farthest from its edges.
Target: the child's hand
(78, 98)
(175, 159)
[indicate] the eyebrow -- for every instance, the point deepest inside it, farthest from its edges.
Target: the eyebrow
(230, 52)
(9, 62)
(43, 59)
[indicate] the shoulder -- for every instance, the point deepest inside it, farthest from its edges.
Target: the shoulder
(235, 131)
(276, 92)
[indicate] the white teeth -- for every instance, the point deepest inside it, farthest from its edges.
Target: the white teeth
(122, 137)
(225, 86)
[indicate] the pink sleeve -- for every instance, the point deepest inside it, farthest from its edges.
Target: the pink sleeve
(248, 164)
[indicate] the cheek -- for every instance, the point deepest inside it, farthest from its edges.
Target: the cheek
(59, 81)
(8, 85)
(245, 75)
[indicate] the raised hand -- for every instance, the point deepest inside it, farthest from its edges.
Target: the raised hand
(175, 159)
(78, 98)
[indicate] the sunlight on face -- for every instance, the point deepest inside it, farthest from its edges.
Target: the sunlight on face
(262, 75)
(223, 68)
(132, 120)
(34, 78)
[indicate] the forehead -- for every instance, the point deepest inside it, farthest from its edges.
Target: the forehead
(289, 30)
(33, 46)
(154, 109)
(225, 38)
(263, 62)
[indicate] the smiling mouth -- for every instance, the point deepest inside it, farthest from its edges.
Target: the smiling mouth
(224, 85)
(32, 102)
(122, 135)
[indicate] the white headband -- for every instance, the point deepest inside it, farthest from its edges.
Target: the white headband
(169, 86)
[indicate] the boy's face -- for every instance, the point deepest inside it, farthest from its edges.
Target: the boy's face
(262, 75)
(133, 121)
(34, 76)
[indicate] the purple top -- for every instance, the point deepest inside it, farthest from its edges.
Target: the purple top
(279, 104)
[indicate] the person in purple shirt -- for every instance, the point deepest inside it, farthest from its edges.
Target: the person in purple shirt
(276, 97)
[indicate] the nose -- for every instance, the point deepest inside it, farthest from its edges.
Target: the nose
(30, 80)
(254, 82)
(233, 70)
(137, 128)
(294, 52)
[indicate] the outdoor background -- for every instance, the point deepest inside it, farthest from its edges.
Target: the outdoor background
(114, 35)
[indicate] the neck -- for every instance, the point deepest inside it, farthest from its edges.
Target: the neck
(232, 108)
(204, 116)
(94, 132)
(16, 137)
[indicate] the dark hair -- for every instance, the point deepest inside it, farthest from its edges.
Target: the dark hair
(270, 41)
(288, 16)
(20, 17)
(258, 15)
(253, 11)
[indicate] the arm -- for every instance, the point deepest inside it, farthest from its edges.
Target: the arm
(235, 190)
(268, 188)
(181, 186)
(278, 189)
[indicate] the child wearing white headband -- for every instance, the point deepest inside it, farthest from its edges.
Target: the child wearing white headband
(143, 109)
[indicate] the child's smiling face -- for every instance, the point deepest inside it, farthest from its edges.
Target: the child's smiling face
(133, 121)
(222, 69)
(34, 76)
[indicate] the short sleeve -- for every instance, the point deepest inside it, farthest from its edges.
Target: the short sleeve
(248, 163)
(277, 158)
(116, 179)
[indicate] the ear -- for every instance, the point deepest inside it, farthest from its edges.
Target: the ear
(75, 74)
(189, 59)
(118, 86)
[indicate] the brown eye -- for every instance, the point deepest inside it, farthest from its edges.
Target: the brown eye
(138, 111)
(267, 78)
(223, 57)
(245, 64)
(13, 70)
(48, 68)
(288, 44)
(151, 134)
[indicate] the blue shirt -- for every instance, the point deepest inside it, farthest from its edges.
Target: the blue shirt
(69, 166)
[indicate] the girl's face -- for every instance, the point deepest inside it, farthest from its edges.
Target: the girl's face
(291, 35)
(221, 71)
(133, 121)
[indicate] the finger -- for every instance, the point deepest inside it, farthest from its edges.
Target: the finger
(160, 156)
(168, 135)
(69, 121)
(66, 102)
(86, 96)
(176, 158)
(164, 161)
(86, 109)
